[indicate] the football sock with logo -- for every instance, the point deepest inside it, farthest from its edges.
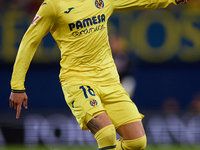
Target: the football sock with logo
(106, 138)
(136, 144)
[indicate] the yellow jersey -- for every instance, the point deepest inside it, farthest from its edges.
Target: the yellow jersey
(80, 29)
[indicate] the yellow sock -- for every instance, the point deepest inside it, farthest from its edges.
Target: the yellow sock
(106, 138)
(136, 144)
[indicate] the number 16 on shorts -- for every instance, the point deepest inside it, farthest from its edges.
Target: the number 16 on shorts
(87, 90)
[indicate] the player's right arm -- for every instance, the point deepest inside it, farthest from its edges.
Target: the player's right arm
(41, 25)
(143, 4)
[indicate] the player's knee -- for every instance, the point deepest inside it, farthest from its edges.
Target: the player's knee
(106, 138)
(136, 144)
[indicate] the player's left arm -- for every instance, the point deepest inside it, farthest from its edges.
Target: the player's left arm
(119, 5)
(41, 25)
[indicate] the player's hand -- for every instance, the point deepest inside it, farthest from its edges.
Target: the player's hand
(183, 1)
(16, 100)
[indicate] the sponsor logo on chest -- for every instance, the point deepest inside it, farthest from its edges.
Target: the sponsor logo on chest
(87, 22)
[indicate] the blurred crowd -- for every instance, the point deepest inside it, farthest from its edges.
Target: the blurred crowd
(176, 125)
(125, 63)
(171, 106)
(30, 6)
(127, 68)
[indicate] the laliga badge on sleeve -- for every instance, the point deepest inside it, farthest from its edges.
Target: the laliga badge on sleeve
(37, 17)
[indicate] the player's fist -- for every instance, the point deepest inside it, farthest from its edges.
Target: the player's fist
(183, 1)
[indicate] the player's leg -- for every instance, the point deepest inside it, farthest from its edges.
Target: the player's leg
(133, 136)
(131, 130)
(103, 129)
(86, 106)
(126, 118)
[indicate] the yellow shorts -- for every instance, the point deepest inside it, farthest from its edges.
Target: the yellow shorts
(87, 97)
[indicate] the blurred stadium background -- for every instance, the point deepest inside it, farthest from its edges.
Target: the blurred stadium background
(158, 57)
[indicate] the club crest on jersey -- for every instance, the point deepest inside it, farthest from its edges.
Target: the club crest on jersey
(93, 102)
(99, 4)
(37, 17)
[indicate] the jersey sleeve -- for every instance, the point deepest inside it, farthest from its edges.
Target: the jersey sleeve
(141, 4)
(41, 25)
